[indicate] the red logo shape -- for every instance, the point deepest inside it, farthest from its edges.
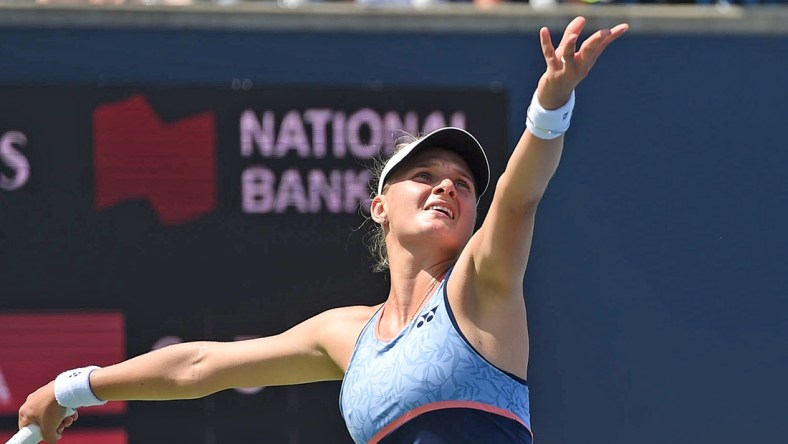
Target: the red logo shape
(138, 156)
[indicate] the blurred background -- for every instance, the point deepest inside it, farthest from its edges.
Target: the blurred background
(174, 170)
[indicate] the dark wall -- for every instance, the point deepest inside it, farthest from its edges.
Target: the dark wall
(657, 281)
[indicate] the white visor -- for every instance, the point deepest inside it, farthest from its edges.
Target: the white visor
(452, 139)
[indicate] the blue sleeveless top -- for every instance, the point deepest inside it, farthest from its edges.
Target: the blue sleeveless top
(429, 385)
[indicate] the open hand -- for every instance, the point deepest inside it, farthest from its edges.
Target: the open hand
(566, 65)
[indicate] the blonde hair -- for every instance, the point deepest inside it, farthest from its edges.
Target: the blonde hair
(376, 237)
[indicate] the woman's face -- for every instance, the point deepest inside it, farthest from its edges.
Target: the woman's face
(433, 193)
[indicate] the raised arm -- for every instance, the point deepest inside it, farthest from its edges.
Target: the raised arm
(501, 246)
(315, 350)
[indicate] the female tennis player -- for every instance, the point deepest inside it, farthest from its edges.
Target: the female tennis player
(445, 358)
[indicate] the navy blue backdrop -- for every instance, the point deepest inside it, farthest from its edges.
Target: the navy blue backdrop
(657, 285)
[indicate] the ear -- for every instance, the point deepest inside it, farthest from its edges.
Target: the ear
(377, 210)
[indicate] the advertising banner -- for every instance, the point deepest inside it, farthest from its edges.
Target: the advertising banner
(206, 213)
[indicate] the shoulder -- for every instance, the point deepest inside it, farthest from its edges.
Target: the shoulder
(340, 322)
(331, 328)
(339, 329)
(347, 315)
(353, 311)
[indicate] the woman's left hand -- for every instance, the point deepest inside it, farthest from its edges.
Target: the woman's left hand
(566, 65)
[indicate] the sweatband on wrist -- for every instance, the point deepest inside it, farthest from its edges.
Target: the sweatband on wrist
(549, 124)
(72, 388)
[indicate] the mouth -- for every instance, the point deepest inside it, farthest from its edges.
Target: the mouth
(442, 209)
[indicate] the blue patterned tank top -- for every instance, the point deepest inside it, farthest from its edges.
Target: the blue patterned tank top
(428, 367)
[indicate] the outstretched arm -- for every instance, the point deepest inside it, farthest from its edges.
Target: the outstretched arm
(501, 246)
(315, 350)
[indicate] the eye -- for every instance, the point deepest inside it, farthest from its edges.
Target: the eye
(462, 184)
(423, 175)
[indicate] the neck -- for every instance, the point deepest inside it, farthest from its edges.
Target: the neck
(411, 286)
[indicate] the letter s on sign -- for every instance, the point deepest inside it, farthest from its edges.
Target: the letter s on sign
(10, 156)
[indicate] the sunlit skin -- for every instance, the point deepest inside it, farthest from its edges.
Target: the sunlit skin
(428, 212)
(407, 209)
(485, 289)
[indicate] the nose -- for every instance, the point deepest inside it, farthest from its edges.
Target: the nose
(445, 186)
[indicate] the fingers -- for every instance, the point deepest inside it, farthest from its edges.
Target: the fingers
(67, 422)
(548, 50)
(575, 27)
(51, 437)
(41, 408)
(567, 49)
(569, 39)
(53, 423)
(565, 54)
(49, 432)
(593, 47)
(568, 65)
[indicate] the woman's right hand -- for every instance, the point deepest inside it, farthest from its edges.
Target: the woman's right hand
(41, 408)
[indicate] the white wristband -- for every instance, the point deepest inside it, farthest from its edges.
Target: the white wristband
(72, 388)
(549, 124)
